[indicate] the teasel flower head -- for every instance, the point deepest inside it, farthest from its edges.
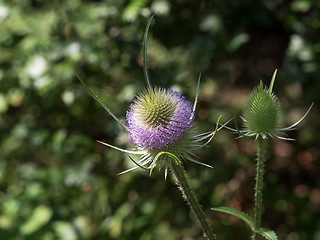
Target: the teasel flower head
(158, 118)
(160, 123)
(262, 114)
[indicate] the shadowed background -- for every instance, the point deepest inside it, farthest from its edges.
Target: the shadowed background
(56, 182)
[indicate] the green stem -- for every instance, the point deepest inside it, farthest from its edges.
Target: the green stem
(259, 185)
(191, 198)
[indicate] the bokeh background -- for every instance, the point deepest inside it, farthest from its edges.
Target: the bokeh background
(57, 182)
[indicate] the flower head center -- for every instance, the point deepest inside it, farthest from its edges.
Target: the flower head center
(155, 112)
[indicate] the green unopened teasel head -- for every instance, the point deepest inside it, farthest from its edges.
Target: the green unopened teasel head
(262, 112)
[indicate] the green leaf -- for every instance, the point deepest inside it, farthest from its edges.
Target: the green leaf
(236, 213)
(131, 12)
(267, 234)
(40, 216)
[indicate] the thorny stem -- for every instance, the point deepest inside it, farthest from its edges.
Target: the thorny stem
(191, 198)
(259, 185)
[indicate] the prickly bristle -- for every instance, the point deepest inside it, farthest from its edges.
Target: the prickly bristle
(262, 111)
(158, 118)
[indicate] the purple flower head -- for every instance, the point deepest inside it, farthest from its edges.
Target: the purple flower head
(158, 118)
(160, 122)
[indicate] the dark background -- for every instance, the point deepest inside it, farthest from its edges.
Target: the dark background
(56, 182)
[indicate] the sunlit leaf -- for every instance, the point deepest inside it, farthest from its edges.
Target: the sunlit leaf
(267, 234)
(236, 213)
(40, 216)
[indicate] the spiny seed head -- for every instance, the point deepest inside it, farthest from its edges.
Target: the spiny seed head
(262, 112)
(158, 118)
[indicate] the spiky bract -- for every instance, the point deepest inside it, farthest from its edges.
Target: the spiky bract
(262, 112)
(183, 148)
(158, 118)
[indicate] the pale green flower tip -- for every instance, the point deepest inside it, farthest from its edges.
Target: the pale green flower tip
(272, 80)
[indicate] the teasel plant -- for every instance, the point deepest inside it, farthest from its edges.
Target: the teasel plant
(161, 125)
(261, 118)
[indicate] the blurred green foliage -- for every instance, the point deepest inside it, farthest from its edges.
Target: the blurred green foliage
(56, 182)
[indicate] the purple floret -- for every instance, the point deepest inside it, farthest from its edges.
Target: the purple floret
(165, 134)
